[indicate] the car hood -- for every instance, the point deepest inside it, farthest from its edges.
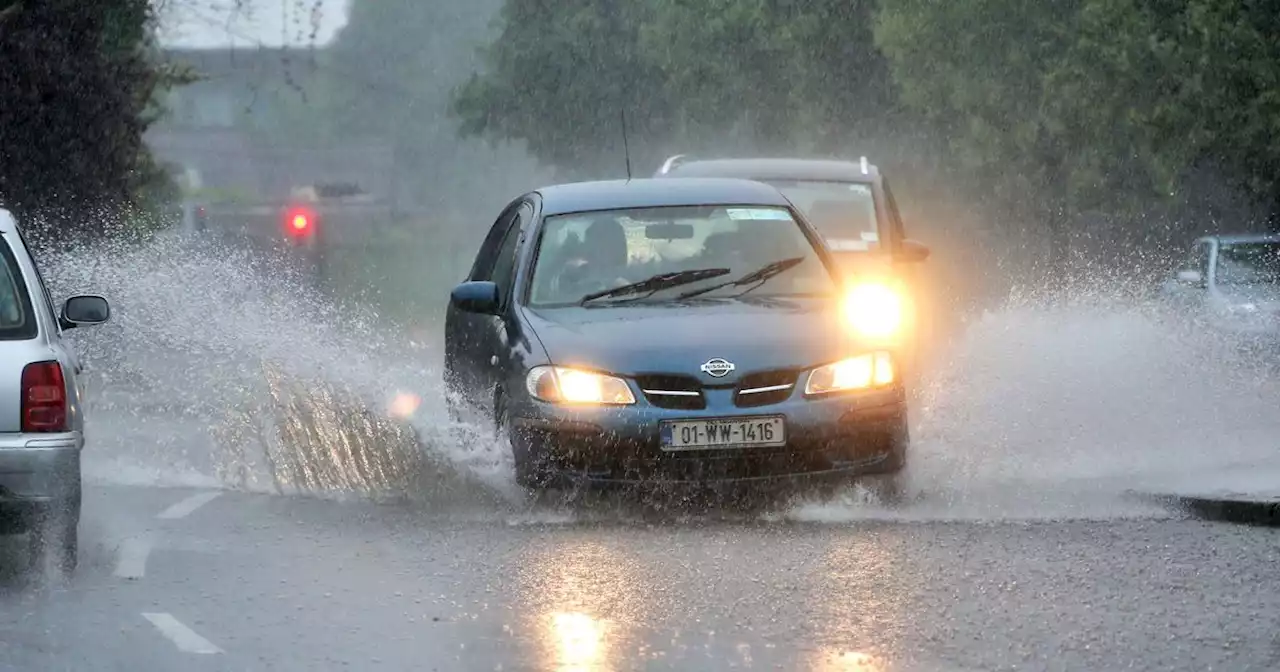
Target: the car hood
(677, 338)
(1265, 297)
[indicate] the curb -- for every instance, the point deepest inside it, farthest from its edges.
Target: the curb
(1228, 507)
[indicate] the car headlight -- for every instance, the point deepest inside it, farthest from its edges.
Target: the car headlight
(874, 310)
(563, 385)
(863, 372)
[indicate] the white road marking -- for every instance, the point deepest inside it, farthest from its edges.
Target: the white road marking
(133, 558)
(183, 637)
(185, 507)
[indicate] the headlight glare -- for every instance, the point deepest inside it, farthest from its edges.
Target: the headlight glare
(855, 373)
(874, 310)
(564, 385)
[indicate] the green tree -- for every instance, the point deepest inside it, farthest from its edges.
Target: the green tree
(787, 73)
(558, 77)
(1091, 104)
(692, 75)
(78, 85)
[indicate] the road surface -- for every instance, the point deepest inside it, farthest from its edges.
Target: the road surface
(189, 579)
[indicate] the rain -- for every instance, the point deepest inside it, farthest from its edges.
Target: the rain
(286, 204)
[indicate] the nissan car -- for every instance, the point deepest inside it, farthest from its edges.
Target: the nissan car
(692, 330)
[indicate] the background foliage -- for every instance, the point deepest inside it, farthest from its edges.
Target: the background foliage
(1055, 110)
(79, 82)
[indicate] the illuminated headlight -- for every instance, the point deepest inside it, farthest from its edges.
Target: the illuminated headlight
(561, 385)
(874, 310)
(863, 372)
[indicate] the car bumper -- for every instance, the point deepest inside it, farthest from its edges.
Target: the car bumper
(39, 469)
(830, 438)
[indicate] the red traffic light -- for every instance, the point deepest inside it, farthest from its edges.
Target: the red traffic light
(299, 222)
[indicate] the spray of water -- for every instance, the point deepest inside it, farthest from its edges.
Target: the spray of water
(218, 369)
(1065, 404)
(225, 368)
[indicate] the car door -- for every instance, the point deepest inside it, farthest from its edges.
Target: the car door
(502, 332)
(68, 354)
(919, 297)
(38, 338)
(470, 338)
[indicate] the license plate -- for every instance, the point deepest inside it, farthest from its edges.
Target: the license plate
(769, 430)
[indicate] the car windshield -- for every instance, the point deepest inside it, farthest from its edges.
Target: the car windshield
(843, 212)
(1256, 263)
(586, 253)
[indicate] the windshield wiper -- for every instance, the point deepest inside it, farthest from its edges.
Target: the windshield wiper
(657, 283)
(757, 277)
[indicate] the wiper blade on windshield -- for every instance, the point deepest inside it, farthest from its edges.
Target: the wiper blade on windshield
(656, 283)
(757, 277)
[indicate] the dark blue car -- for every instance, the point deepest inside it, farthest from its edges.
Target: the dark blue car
(669, 330)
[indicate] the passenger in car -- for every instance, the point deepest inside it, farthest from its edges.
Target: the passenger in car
(600, 261)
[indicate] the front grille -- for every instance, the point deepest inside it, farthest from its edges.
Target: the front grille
(673, 391)
(764, 388)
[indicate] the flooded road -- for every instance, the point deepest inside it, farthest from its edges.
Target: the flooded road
(175, 580)
(273, 485)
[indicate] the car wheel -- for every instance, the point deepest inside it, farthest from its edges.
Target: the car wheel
(889, 484)
(532, 472)
(54, 539)
(888, 489)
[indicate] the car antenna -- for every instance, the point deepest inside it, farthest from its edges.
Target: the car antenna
(626, 150)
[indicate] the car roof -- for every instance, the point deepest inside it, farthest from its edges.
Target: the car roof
(1233, 238)
(829, 170)
(7, 222)
(650, 193)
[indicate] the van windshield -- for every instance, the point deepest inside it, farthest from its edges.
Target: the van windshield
(843, 212)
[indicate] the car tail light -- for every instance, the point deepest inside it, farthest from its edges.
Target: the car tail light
(44, 398)
(299, 222)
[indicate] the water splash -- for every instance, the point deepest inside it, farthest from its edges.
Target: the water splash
(223, 366)
(1060, 407)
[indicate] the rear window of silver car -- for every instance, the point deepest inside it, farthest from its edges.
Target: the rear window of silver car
(17, 320)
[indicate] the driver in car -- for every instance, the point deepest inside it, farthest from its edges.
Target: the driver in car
(599, 262)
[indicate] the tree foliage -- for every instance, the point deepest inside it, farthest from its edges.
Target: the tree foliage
(1078, 105)
(78, 83)
(1098, 100)
(576, 63)
(689, 74)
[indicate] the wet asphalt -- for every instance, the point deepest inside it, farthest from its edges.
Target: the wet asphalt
(184, 579)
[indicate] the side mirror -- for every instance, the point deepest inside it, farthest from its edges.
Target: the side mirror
(1190, 277)
(476, 296)
(912, 252)
(84, 310)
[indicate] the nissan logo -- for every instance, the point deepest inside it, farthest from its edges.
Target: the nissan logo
(717, 368)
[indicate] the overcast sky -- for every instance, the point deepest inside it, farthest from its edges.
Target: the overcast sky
(249, 23)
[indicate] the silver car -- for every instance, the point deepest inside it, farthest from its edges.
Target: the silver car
(1232, 283)
(41, 418)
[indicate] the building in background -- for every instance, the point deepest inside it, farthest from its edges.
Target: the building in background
(217, 132)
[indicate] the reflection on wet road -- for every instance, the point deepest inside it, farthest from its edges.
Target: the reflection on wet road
(1021, 553)
(280, 583)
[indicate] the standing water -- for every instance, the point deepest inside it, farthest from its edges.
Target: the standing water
(213, 373)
